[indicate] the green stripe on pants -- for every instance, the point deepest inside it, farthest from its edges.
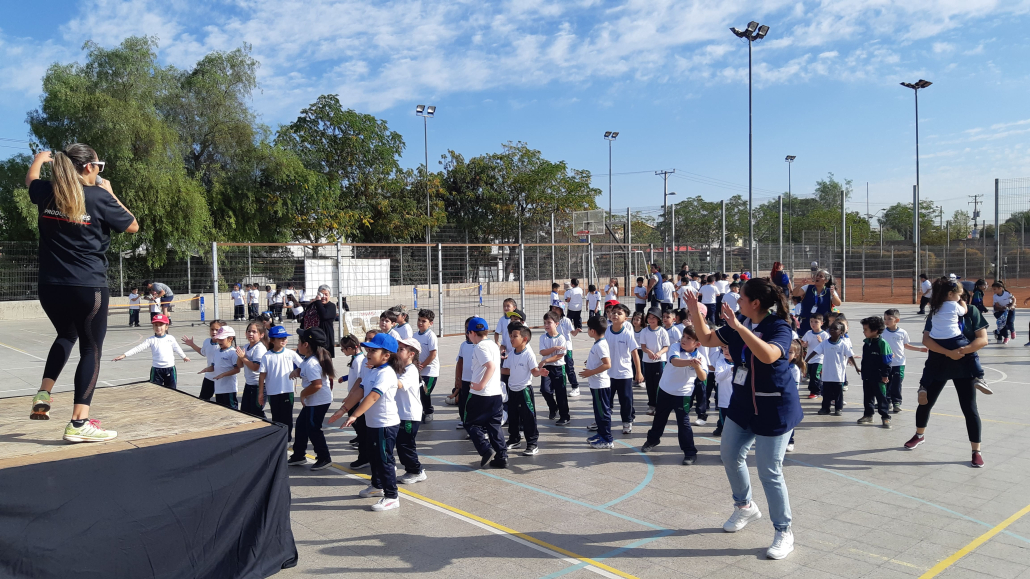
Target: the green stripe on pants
(529, 399)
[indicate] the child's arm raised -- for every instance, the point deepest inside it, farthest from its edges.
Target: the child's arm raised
(242, 359)
(188, 340)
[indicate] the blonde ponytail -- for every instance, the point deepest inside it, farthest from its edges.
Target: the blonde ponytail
(67, 180)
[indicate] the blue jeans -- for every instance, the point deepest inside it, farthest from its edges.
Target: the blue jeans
(769, 451)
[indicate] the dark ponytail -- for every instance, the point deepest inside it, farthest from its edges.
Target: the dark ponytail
(324, 360)
(942, 286)
(768, 295)
(396, 363)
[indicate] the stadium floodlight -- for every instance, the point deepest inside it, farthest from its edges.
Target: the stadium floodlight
(607, 134)
(754, 32)
(419, 109)
(427, 112)
(615, 134)
(915, 195)
(430, 110)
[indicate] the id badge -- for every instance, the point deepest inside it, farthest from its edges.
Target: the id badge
(740, 376)
(815, 309)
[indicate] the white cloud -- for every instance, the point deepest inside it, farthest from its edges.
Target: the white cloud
(943, 47)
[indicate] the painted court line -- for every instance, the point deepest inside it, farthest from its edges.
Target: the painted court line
(21, 351)
(1000, 527)
(496, 528)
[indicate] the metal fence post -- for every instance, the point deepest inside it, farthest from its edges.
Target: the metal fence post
(189, 276)
(997, 234)
(214, 276)
(554, 276)
(250, 266)
(651, 249)
(780, 198)
(722, 209)
(121, 276)
(439, 284)
(339, 289)
(401, 268)
(590, 263)
(892, 271)
(863, 269)
(629, 250)
(522, 274)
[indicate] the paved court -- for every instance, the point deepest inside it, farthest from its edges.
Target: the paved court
(862, 505)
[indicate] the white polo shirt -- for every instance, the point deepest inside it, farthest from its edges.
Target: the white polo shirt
(383, 381)
(277, 366)
(547, 342)
(311, 370)
(225, 360)
(621, 346)
(598, 352)
(679, 381)
(465, 355)
(409, 398)
(427, 340)
(486, 351)
(575, 297)
(655, 340)
(520, 365)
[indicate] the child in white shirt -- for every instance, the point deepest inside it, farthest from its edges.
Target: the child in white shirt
(163, 349)
(654, 341)
(209, 350)
(521, 364)
(225, 368)
(134, 302)
(409, 409)
(552, 360)
(640, 295)
(595, 370)
(722, 362)
(687, 369)
(593, 301)
(253, 402)
(946, 309)
(274, 381)
(238, 305)
(428, 362)
(837, 354)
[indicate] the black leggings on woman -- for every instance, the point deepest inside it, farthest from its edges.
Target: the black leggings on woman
(77, 313)
(966, 400)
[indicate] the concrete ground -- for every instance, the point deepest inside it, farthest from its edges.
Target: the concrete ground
(863, 506)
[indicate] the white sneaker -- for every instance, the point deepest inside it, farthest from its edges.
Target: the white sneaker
(593, 426)
(741, 517)
(412, 478)
(783, 544)
(700, 422)
(790, 447)
(450, 401)
(627, 428)
(982, 386)
(370, 491)
(386, 504)
(574, 392)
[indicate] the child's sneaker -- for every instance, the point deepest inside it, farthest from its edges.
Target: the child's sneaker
(370, 491)
(563, 422)
(594, 437)
(837, 413)
(982, 386)
(886, 422)
(552, 415)
(593, 426)
(41, 406)
(530, 450)
(865, 420)
(386, 504)
(574, 392)
(322, 464)
(700, 422)
(359, 464)
(627, 428)
(413, 477)
(88, 432)
(650, 410)
(812, 396)
(602, 444)
(978, 461)
(296, 460)
(896, 409)
(823, 412)
(717, 432)
(513, 444)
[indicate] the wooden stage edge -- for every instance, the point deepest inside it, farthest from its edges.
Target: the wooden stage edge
(144, 415)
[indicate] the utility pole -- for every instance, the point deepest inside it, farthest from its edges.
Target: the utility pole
(976, 208)
(665, 205)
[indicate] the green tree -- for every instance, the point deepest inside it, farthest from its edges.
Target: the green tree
(898, 217)
(112, 103)
(17, 213)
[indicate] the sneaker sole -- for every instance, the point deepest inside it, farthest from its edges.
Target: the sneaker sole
(73, 438)
(916, 445)
(746, 523)
(322, 467)
(40, 415)
(529, 453)
(783, 556)
(985, 390)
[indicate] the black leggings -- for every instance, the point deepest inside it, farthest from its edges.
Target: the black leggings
(966, 401)
(77, 313)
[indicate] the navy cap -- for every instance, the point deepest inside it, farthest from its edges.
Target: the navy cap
(278, 332)
(313, 336)
(477, 325)
(382, 342)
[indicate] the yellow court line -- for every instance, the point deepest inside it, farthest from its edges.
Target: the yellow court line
(21, 351)
(936, 569)
(981, 419)
(498, 526)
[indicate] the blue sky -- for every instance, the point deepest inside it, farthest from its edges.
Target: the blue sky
(667, 74)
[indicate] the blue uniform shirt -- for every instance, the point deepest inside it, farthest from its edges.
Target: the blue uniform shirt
(767, 402)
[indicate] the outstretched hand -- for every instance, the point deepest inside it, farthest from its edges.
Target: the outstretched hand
(730, 317)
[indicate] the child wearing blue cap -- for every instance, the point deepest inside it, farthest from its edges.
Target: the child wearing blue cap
(484, 407)
(377, 402)
(274, 381)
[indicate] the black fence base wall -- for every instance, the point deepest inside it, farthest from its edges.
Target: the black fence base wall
(215, 506)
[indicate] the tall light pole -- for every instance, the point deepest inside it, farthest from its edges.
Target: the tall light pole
(753, 32)
(915, 197)
(427, 112)
(665, 200)
(790, 214)
(673, 234)
(611, 136)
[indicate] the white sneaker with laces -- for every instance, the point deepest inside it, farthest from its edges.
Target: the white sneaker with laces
(592, 427)
(574, 392)
(370, 491)
(700, 422)
(741, 517)
(783, 544)
(386, 504)
(412, 478)
(790, 447)
(627, 428)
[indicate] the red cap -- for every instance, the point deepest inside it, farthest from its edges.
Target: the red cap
(160, 319)
(611, 303)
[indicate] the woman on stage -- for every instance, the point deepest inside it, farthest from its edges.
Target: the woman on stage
(77, 211)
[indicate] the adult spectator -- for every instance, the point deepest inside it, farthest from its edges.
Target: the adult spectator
(818, 297)
(943, 365)
(324, 316)
(655, 292)
(925, 292)
(780, 279)
(77, 210)
(764, 406)
(164, 294)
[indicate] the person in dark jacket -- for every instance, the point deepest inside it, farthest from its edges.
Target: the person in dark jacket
(876, 371)
(327, 312)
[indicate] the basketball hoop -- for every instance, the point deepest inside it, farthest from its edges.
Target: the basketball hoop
(583, 233)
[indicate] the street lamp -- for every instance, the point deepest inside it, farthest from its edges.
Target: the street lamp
(790, 214)
(673, 234)
(610, 136)
(753, 32)
(427, 112)
(915, 197)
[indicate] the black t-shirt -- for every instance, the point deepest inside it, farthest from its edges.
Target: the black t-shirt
(74, 251)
